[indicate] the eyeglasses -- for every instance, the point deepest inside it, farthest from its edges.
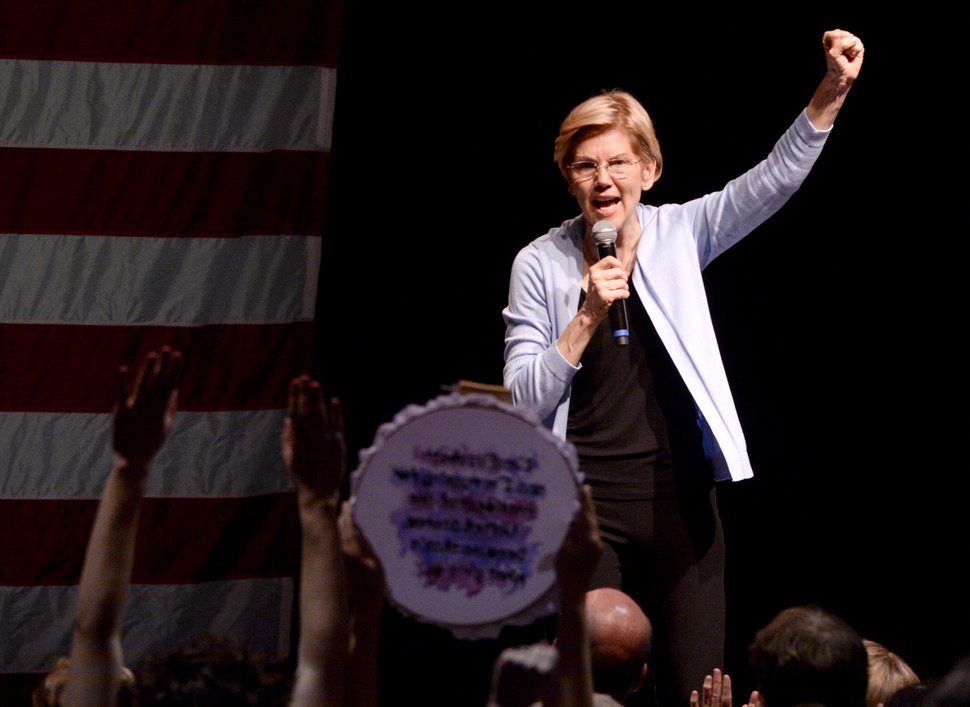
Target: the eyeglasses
(587, 169)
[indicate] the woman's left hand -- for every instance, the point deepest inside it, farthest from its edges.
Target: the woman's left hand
(844, 53)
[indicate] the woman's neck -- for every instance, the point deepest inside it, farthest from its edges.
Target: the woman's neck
(626, 247)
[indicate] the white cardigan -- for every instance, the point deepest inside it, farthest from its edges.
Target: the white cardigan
(677, 243)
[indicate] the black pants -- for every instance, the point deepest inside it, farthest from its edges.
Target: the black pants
(668, 554)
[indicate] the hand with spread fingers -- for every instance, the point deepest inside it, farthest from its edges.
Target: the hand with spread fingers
(716, 692)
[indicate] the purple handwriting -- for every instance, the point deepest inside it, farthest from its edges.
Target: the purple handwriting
(467, 517)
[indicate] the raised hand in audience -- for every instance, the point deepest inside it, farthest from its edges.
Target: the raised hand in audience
(716, 692)
(575, 565)
(144, 413)
(314, 453)
(365, 580)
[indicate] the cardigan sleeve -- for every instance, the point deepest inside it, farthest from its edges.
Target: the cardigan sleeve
(535, 371)
(721, 219)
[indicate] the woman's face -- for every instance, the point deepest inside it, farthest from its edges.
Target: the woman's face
(610, 196)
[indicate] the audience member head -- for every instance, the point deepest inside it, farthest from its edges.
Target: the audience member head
(911, 696)
(523, 676)
(888, 673)
(619, 638)
(210, 671)
(952, 689)
(806, 654)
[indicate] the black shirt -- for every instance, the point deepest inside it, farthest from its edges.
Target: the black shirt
(631, 415)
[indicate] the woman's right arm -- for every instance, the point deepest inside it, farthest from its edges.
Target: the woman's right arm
(536, 371)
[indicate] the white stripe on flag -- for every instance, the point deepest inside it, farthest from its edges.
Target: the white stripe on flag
(217, 454)
(37, 621)
(206, 107)
(171, 281)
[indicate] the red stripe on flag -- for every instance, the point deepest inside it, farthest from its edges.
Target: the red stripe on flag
(180, 540)
(214, 194)
(73, 367)
(173, 31)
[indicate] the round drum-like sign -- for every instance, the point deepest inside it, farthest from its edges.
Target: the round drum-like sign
(466, 502)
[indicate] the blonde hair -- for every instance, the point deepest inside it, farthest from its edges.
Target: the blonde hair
(609, 110)
(888, 673)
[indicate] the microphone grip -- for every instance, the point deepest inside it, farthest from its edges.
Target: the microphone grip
(618, 320)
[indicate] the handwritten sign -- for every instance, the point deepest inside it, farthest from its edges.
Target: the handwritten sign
(466, 502)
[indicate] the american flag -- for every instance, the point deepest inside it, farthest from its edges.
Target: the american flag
(163, 179)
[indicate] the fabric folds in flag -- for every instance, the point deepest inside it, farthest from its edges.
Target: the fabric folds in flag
(163, 180)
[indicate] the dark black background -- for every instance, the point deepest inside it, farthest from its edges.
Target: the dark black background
(840, 319)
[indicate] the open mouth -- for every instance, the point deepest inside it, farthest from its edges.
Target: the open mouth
(605, 203)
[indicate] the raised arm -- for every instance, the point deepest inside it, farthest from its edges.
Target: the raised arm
(365, 582)
(314, 453)
(143, 416)
(843, 60)
(574, 566)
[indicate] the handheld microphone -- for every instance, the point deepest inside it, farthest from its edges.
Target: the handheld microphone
(604, 233)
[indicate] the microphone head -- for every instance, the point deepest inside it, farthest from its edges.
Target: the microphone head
(604, 232)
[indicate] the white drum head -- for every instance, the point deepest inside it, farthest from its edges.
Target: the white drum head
(466, 502)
